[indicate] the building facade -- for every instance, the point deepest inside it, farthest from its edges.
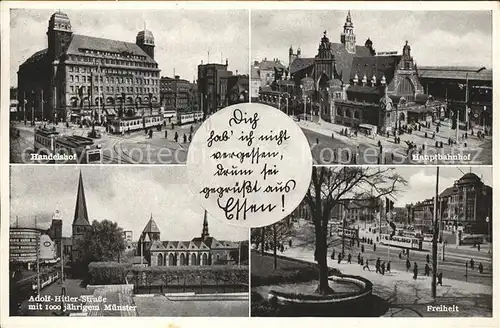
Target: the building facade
(204, 250)
(87, 78)
(177, 94)
(24, 246)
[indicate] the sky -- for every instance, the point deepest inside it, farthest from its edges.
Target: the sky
(182, 37)
(422, 181)
(437, 38)
(128, 195)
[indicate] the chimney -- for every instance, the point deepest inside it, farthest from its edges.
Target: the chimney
(177, 77)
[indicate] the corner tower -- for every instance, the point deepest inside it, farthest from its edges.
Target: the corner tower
(59, 34)
(348, 38)
(146, 41)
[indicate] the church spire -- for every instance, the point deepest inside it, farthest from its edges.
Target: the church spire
(348, 38)
(81, 216)
(204, 233)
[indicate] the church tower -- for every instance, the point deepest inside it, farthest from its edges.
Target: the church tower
(348, 38)
(204, 232)
(81, 225)
(146, 41)
(151, 231)
(59, 34)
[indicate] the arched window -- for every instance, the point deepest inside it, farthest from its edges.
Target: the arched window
(183, 259)
(205, 259)
(160, 259)
(193, 259)
(171, 260)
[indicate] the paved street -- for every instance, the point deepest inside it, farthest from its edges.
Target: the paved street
(480, 150)
(133, 148)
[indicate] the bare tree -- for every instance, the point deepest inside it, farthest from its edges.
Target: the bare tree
(328, 187)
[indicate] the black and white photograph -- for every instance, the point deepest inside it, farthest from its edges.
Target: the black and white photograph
(380, 242)
(121, 86)
(120, 241)
(379, 87)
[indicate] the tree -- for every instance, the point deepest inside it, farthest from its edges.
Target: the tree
(328, 187)
(273, 236)
(104, 242)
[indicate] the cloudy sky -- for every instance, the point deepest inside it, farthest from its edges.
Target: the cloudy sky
(441, 38)
(422, 181)
(127, 195)
(182, 37)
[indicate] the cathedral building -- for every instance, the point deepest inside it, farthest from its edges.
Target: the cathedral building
(82, 77)
(353, 85)
(204, 250)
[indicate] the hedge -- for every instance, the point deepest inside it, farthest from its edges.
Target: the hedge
(102, 273)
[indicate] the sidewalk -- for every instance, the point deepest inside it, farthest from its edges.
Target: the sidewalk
(408, 297)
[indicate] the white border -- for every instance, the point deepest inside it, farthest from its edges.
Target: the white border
(248, 322)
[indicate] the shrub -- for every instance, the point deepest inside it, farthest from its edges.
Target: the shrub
(107, 273)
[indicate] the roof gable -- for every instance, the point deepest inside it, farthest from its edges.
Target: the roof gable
(375, 65)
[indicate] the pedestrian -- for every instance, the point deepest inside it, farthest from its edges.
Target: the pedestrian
(165, 134)
(317, 141)
(388, 266)
(428, 258)
(176, 136)
(191, 129)
(190, 137)
(349, 258)
(361, 261)
(339, 258)
(408, 265)
(290, 243)
(480, 267)
(359, 257)
(415, 271)
(333, 255)
(399, 255)
(427, 269)
(362, 248)
(150, 133)
(440, 279)
(366, 266)
(478, 245)
(172, 125)
(333, 137)
(472, 264)
(382, 268)
(184, 138)
(374, 247)
(377, 265)
(358, 242)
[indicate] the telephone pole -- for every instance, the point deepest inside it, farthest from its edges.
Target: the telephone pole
(435, 237)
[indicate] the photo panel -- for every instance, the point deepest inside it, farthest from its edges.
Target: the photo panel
(380, 242)
(120, 241)
(121, 86)
(356, 90)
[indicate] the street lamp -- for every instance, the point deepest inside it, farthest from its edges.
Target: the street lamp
(304, 96)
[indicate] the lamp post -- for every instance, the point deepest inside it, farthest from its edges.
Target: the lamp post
(286, 99)
(279, 101)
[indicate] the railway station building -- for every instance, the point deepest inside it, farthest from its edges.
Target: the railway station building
(80, 78)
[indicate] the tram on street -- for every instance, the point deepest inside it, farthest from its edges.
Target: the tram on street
(189, 117)
(472, 239)
(126, 124)
(401, 241)
(348, 233)
(45, 140)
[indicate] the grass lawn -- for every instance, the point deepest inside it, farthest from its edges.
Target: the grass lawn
(288, 270)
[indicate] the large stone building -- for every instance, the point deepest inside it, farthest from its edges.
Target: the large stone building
(218, 88)
(177, 94)
(204, 250)
(351, 84)
(466, 206)
(81, 77)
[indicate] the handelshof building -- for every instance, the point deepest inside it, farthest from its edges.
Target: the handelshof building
(178, 94)
(216, 87)
(204, 250)
(84, 77)
(351, 84)
(24, 246)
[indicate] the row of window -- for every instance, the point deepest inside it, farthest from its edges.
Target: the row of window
(112, 61)
(84, 89)
(111, 79)
(112, 54)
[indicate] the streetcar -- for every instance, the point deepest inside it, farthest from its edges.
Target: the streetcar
(189, 117)
(348, 233)
(401, 241)
(472, 240)
(126, 124)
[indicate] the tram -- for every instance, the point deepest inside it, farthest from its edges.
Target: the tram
(472, 240)
(83, 150)
(348, 233)
(189, 117)
(126, 124)
(401, 241)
